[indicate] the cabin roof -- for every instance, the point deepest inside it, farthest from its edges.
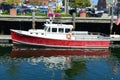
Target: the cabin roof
(59, 25)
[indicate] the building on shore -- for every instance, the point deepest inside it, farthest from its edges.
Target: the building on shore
(106, 3)
(101, 4)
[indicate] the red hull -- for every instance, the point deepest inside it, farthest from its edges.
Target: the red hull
(31, 40)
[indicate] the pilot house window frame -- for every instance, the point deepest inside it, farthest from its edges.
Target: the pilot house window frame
(61, 30)
(54, 29)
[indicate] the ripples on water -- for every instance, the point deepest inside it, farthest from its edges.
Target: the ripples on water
(59, 64)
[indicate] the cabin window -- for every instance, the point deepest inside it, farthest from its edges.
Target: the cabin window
(54, 29)
(67, 30)
(61, 30)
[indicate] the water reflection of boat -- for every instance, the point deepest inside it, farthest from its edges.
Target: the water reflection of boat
(56, 58)
(57, 52)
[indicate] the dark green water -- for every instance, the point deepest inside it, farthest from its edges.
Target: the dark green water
(52, 64)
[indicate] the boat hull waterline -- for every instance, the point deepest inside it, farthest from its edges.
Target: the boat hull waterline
(47, 42)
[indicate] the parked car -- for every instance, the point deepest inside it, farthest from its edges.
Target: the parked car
(71, 11)
(23, 9)
(92, 12)
(6, 7)
(43, 9)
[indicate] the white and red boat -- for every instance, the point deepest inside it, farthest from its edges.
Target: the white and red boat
(60, 35)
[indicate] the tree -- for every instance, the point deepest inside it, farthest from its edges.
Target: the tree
(79, 3)
(13, 1)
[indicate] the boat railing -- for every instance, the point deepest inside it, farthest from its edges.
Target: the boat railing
(98, 33)
(79, 32)
(89, 35)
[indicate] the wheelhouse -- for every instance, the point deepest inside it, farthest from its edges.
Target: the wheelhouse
(58, 28)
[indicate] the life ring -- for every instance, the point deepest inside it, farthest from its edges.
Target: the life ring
(68, 36)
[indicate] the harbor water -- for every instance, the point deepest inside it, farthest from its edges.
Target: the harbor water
(59, 64)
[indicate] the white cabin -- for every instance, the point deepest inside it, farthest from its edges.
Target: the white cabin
(54, 31)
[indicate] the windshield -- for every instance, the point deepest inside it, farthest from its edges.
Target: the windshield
(45, 29)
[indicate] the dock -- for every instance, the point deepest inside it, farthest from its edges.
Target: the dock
(104, 19)
(5, 39)
(114, 39)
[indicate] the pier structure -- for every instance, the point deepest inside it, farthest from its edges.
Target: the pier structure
(104, 19)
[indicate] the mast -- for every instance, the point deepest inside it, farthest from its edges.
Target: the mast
(112, 17)
(33, 20)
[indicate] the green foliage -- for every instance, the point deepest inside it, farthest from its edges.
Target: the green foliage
(5, 13)
(79, 3)
(13, 1)
(30, 14)
(63, 1)
(40, 14)
(5, 3)
(65, 15)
